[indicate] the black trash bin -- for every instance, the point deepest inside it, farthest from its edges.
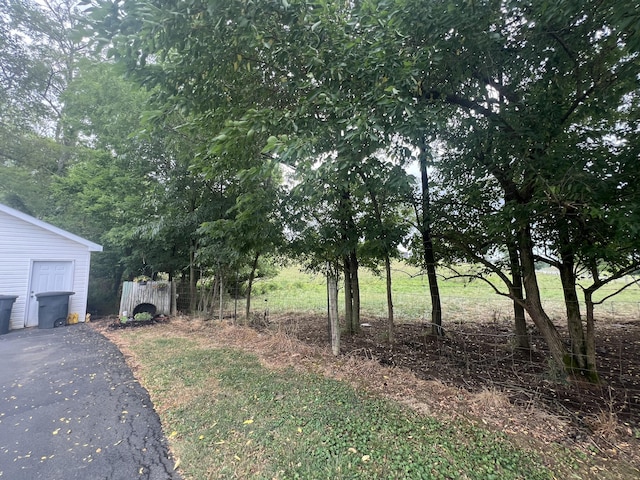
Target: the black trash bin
(6, 303)
(53, 308)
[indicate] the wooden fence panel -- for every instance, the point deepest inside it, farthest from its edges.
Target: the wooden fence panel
(157, 294)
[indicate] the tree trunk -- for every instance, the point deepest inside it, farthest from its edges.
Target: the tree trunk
(332, 297)
(252, 274)
(355, 289)
(434, 292)
(574, 319)
(351, 293)
(591, 338)
(349, 237)
(427, 244)
(533, 303)
(193, 281)
(117, 284)
(348, 296)
(215, 288)
(522, 337)
(221, 306)
(174, 298)
(580, 361)
(390, 325)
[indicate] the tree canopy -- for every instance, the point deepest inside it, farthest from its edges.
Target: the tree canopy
(204, 134)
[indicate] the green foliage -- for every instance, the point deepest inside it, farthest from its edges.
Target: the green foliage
(532, 109)
(37, 61)
(142, 316)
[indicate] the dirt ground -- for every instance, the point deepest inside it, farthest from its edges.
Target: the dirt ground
(476, 356)
(474, 372)
(481, 357)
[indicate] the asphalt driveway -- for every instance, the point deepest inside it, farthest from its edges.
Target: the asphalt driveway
(70, 408)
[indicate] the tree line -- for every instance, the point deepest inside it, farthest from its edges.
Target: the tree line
(205, 138)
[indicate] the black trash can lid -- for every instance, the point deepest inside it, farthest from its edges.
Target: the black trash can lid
(8, 297)
(54, 294)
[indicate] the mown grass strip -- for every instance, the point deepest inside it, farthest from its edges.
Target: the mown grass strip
(229, 417)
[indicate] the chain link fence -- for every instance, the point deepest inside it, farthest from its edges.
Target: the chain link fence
(407, 307)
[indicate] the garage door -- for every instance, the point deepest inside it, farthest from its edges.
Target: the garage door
(47, 277)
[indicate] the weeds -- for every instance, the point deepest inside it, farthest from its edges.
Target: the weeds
(605, 423)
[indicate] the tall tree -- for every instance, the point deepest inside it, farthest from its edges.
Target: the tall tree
(424, 222)
(518, 89)
(532, 80)
(252, 227)
(388, 187)
(38, 59)
(323, 218)
(133, 186)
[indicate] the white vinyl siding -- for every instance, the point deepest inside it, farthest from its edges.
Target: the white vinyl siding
(22, 243)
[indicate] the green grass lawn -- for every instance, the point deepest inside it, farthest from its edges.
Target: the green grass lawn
(229, 417)
(294, 290)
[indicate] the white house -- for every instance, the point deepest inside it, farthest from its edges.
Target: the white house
(37, 257)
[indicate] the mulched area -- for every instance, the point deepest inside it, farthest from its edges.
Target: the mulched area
(478, 356)
(114, 322)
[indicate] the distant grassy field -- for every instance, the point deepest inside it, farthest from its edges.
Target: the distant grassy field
(295, 290)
